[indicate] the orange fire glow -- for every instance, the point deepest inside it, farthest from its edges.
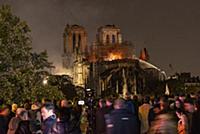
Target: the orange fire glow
(114, 56)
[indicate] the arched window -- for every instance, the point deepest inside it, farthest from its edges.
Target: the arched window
(113, 38)
(74, 41)
(107, 39)
(79, 40)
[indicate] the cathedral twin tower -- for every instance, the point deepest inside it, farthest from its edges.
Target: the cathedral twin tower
(90, 65)
(75, 40)
(75, 44)
(78, 54)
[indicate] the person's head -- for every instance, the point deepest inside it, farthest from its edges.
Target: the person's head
(14, 107)
(164, 102)
(156, 100)
(127, 96)
(47, 110)
(119, 104)
(137, 98)
(178, 104)
(22, 113)
(189, 105)
(4, 110)
(156, 108)
(146, 99)
(64, 103)
(102, 103)
(182, 97)
(27, 106)
(109, 101)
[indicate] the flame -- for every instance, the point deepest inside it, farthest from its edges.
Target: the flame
(114, 56)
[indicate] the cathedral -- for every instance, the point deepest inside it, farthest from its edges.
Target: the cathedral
(108, 65)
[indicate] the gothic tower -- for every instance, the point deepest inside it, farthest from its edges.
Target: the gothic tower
(74, 45)
(75, 50)
(109, 34)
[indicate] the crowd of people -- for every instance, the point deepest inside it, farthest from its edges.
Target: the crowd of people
(42, 118)
(127, 114)
(178, 114)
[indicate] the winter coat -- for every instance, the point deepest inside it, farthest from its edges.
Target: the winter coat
(3, 125)
(65, 113)
(60, 127)
(109, 109)
(120, 121)
(189, 118)
(130, 106)
(195, 129)
(74, 122)
(23, 128)
(35, 121)
(100, 121)
(13, 125)
(143, 115)
(48, 124)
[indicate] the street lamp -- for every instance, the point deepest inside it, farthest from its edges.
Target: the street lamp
(45, 81)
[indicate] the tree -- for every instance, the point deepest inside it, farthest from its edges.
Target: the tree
(21, 70)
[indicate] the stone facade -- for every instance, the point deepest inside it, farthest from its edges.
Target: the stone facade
(109, 66)
(109, 34)
(75, 50)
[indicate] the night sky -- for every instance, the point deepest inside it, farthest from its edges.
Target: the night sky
(169, 29)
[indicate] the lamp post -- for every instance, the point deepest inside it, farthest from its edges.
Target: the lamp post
(45, 81)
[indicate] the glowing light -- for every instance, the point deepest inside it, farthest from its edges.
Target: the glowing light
(45, 81)
(114, 56)
(88, 89)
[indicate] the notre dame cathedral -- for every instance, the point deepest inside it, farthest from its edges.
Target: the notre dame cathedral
(109, 64)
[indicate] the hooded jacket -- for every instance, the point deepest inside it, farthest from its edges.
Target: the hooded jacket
(121, 121)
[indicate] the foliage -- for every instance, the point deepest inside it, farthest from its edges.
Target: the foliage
(65, 84)
(21, 70)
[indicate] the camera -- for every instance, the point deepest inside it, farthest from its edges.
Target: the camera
(81, 102)
(90, 103)
(89, 93)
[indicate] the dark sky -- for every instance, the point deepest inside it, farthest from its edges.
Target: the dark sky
(169, 29)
